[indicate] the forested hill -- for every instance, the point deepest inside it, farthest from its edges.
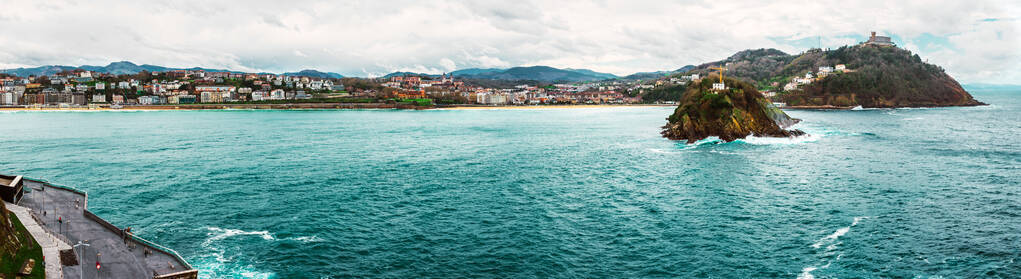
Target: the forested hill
(876, 76)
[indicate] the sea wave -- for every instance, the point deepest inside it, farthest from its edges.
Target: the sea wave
(837, 234)
(781, 141)
(225, 268)
(216, 262)
(831, 244)
(218, 233)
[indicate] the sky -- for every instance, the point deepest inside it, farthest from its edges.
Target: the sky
(975, 41)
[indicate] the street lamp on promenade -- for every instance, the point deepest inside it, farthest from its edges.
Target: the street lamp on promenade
(81, 261)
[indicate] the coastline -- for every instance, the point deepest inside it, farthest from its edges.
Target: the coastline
(319, 106)
(484, 107)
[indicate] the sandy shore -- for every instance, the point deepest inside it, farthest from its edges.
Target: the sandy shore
(297, 106)
(550, 106)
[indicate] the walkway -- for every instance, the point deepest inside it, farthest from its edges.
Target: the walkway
(50, 244)
(63, 212)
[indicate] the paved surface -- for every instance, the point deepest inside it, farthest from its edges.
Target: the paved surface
(119, 259)
(50, 244)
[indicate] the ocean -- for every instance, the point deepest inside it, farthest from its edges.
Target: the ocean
(537, 193)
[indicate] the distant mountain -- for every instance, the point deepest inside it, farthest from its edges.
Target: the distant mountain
(127, 68)
(475, 71)
(534, 73)
(408, 74)
(37, 71)
(539, 73)
(315, 74)
(685, 69)
(593, 73)
(659, 74)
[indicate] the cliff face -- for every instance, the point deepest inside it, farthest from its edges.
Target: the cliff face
(730, 114)
(877, 77)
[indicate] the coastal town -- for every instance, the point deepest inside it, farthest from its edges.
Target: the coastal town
(81, 88)
(87, 89)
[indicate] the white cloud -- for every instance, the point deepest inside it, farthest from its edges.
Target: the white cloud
(376, 37)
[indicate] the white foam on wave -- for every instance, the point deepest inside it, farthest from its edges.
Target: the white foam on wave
(218, 234)
(222, 269)
(806, 273)
(307, 239)
(217, 265)
(782, 141)
(837, 234)
(660, 151)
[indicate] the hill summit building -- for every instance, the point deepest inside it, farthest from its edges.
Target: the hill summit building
(879, 40)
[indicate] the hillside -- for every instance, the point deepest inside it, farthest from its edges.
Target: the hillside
(540, 73)
(128, 68)
(659, 74)
(876, 77)
(733, 113)
(751, 65)
(475, 71)
(315, 74)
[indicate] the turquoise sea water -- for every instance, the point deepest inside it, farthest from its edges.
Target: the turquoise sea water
(591, 193)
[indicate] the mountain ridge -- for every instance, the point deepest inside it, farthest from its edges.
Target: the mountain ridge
(128, 67)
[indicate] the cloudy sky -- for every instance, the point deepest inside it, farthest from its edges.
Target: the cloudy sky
(976, 41)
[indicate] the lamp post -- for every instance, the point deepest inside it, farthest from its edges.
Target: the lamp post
(81, 261)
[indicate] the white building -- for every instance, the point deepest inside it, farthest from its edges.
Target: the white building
(840, 67)
(491, 99)
(99, 98)
(207, 96)
(719, 86)
(790, 86)
(315, 85)
(9, 98)
(149, 100)
(277, 94)
(825, 69)
(260, 95)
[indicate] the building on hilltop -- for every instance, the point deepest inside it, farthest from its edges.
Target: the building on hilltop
(879, 40)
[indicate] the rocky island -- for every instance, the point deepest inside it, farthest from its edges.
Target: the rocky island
(726, 108)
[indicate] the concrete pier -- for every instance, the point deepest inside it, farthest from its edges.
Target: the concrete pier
(121, 254)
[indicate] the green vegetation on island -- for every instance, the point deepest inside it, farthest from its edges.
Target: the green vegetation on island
(732, 113)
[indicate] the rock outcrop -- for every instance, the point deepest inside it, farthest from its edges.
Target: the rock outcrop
(733, 113)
